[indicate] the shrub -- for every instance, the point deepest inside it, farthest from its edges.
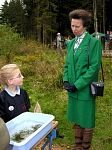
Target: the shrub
(10, 42)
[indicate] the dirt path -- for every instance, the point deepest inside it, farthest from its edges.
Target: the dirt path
(54, 147)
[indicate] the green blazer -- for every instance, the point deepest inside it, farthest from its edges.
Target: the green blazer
(76, 69)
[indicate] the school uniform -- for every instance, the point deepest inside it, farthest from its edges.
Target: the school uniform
(12, 105)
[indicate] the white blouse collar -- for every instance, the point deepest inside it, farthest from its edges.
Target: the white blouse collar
(12, 93)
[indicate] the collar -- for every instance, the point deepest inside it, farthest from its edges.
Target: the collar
(82, 35)
(13, 93)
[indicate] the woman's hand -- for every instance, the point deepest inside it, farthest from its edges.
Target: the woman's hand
(68, 87)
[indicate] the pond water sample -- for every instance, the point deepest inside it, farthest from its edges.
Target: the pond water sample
(22, 134)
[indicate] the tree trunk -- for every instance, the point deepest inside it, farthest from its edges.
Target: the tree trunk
(95, 16)
(103, 16)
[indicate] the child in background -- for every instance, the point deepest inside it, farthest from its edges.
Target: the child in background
(13, 99)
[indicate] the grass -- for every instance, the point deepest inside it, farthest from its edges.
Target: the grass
(43, 71)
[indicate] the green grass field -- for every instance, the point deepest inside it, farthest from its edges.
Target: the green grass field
(43, 70)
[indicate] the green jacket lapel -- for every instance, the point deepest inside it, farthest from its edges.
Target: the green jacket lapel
(83, 44)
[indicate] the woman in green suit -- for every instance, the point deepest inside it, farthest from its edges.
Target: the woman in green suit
(78, 75)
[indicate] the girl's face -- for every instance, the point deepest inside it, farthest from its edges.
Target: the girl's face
(77, 27)
(16, 79)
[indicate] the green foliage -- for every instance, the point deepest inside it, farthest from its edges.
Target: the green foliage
(43, 71)
(46, 65)
(42, 19)
(9, 42)
(108, 68)
(13, 13)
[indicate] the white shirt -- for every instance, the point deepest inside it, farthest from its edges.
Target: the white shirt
(78, 40)
(12, 93)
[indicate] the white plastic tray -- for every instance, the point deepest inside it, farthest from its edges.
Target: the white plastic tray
(26, 120)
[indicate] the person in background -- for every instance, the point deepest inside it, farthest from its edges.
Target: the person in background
(107, 40)
(78, 75)
(13, 99)
(110, 35)
(58, 41)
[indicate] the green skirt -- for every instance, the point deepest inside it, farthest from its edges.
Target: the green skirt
(81, 112)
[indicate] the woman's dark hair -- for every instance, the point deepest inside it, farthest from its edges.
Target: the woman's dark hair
(81, 14)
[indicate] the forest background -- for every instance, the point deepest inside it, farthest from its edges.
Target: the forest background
(42, 19)
(26, 29)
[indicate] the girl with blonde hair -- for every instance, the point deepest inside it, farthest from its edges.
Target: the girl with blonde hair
(13, 99)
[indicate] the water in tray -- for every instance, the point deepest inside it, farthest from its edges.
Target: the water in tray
(24, 130)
